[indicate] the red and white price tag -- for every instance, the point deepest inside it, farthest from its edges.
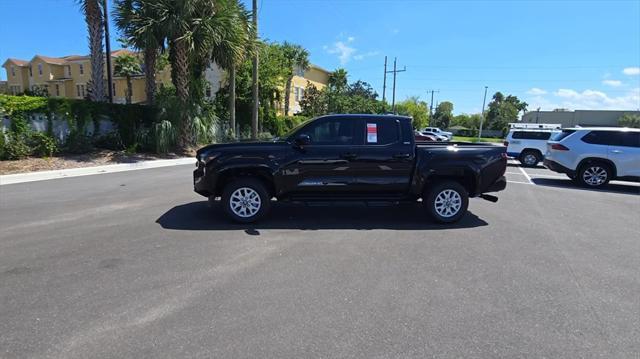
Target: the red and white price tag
(372, 133)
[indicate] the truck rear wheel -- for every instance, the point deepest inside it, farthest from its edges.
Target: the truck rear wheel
(446, 202)
(245, 200)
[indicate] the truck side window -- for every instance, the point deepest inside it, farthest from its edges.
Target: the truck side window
(331, 132)
(381, 132)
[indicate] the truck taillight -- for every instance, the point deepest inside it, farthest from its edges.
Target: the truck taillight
(559, 147)
(506, 143)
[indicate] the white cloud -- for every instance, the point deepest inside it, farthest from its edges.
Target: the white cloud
(344, 51)
(586, 100)
(368, 54)
(631, 71)
(536, 91)
(612, 83)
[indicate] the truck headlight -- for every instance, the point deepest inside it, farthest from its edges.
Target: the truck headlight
(206, 157)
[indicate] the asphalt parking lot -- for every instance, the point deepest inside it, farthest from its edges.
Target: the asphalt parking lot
(134, 264)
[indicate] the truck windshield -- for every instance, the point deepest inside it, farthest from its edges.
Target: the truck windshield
(294, 130)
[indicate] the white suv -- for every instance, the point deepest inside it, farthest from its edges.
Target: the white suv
(594, 156)
(439, 132)
(528, 146)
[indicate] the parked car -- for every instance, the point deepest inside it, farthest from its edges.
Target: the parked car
(528, 146)
(338, 158)
(422, 137)
(439, 132)
(435, 135)
(594, 156)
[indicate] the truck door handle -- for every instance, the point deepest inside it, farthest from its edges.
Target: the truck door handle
(616, 151)
(401, 155)
(349, 156)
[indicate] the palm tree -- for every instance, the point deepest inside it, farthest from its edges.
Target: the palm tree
(92, 10)
(234, 46)
(296, 57)
(133, 17)
(127, 66)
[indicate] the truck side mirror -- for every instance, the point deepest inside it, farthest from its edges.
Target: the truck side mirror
(302, 140)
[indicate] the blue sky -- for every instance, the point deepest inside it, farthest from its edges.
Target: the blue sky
(571, 54)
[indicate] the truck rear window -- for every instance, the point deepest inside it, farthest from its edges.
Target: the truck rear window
(530, 135)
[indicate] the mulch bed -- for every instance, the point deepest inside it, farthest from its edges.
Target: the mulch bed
(97, 158)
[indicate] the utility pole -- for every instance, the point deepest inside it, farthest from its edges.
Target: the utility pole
(254, 78)
(431, 106)
(395, 72)
(384, 82)
(482, 118)
(107, 44)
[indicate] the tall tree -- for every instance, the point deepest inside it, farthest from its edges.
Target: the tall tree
(503, 110)
(234, 46)
(133, 17)
(127, 66)
(297, 59)
(418, 110)
(444, 115)
(92, 10)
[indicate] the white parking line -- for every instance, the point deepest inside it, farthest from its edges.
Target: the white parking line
(525, 174)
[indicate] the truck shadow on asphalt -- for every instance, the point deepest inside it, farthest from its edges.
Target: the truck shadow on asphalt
(201, 216)
(567, 183)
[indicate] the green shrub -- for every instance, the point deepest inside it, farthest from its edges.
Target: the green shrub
(109, 141)
(164, 136)
(16, 147)
(77, 143)
(42, 145)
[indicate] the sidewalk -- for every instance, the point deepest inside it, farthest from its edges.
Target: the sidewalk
(86, 171)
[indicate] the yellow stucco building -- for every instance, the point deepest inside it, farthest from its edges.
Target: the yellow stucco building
(315, 75)
(69, 76)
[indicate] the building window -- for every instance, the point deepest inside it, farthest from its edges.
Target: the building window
(40, 69)
(207, 91)
(82, 88)
(298, 93)
(30, 71)
(13, 71)
(78, 90)
(57, 90)
(81, 69)
(69, 71)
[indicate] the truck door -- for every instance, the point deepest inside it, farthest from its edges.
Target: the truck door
(324, 166)
(385, 160)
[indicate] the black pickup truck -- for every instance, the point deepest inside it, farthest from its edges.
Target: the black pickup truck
(371, 159)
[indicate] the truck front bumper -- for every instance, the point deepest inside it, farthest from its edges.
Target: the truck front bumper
(201, 182)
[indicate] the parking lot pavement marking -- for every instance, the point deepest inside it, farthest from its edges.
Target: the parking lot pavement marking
(525, 174)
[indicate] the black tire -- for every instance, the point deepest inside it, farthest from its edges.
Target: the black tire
(432, 194)
(529, 158)
(248, 206)
(594, 174)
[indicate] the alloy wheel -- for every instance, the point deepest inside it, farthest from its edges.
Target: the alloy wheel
(448, 203)
(595, 176)
(245, 202)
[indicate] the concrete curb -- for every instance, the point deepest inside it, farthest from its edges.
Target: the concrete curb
(86, 171)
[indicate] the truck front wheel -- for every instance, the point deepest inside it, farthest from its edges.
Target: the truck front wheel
(446, 202)
(245, 200)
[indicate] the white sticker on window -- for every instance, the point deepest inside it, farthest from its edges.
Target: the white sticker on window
(372, 133)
